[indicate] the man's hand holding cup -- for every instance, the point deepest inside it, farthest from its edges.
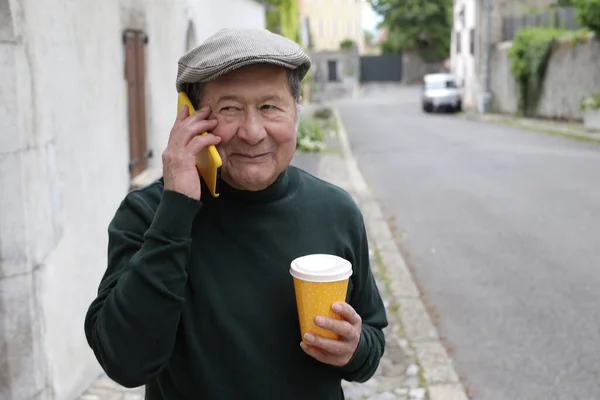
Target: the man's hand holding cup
(337, 352)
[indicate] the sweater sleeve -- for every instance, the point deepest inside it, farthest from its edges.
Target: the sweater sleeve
(367, 302)
(132, 323)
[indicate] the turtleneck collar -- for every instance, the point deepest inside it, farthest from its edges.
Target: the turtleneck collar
(276, 191)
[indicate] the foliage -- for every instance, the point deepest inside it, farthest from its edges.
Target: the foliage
(310, 135)
(423, 26)
(368, 36)
(347, 44)
(282, 17)
(574, 37)
(588, 14)
(591, 102)
(529, 54)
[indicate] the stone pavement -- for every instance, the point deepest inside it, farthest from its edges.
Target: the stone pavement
(415, 365)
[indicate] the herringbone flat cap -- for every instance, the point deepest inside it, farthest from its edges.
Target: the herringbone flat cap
(230, 49)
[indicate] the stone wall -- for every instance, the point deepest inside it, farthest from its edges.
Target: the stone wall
(414, 68)
(64, 164)
(573, 71)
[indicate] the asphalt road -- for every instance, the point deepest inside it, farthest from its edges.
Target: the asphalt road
(502, 230)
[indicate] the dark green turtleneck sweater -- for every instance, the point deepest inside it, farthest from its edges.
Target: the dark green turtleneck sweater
(198, 303)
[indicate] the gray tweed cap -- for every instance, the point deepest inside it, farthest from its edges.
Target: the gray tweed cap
(230, 49)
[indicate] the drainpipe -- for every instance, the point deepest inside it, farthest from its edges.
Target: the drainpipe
(485, 98)
(488, 75)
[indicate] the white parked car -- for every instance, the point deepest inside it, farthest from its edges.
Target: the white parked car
(441, 92)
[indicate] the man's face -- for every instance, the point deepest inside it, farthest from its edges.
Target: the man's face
(256, 122)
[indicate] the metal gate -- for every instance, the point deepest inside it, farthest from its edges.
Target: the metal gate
(381, 68)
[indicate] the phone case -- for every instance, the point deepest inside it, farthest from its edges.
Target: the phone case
(208, 161)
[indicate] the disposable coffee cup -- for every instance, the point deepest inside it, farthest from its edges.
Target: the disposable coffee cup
(320, 280)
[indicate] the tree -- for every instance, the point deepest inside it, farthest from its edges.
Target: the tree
(423, 26)
(588, 14)
(282, 18)
(368, 36)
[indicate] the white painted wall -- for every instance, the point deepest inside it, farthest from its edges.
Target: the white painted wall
(463, 64)
(63, 164)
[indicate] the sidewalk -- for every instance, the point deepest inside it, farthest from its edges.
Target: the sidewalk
(415, 365)
(559, 128)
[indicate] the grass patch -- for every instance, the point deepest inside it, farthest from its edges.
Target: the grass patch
(582, 135)
(394, 308)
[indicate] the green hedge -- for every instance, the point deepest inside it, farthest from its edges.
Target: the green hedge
(529, 56)
(588, 14)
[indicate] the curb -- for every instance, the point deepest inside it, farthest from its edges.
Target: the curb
(532, 125)
(441, 380)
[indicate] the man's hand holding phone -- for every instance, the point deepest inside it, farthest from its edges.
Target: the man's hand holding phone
(185, 141)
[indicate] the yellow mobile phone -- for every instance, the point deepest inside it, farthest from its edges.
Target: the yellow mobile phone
(208, 161)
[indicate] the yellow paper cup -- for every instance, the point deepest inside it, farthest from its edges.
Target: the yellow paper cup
(320, 280)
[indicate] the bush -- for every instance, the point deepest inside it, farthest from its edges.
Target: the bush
(310, 135)
(529, 54)
(591, 102)
(347, 44)
(588, 14)
(323, 113)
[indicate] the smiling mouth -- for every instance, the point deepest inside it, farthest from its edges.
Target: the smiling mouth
(251, 156)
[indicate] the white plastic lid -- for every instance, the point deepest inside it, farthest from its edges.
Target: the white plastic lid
(321, 268)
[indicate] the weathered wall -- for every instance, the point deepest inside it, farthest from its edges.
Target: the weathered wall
(63, 165)
(573, 71)
(500, 9)
(414, 68)
(348, 72)
(504, 87)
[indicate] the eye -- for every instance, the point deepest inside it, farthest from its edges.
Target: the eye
(268, 107)
(229, 108)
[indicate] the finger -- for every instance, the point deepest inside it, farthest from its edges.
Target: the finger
(202, 113)
(182, 114)
(184, 134)
(346, 311)
(202, 141)
(316, 353)
(341, 327)
(334, 347)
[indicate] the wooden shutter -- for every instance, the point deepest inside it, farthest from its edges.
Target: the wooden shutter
(135, 42)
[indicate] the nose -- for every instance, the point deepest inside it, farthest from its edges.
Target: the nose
(252, 130)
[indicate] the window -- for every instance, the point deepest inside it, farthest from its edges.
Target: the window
(190, 41)
(442, 84)
(135, 41)
(458, 42)
(349, 27)
(321, 26)
(472, 41)
(334, 28)
(332, 75)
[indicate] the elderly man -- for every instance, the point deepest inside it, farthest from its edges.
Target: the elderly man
(197, 301)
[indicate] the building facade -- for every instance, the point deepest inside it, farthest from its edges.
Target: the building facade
(87, 101)
(332, 21)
